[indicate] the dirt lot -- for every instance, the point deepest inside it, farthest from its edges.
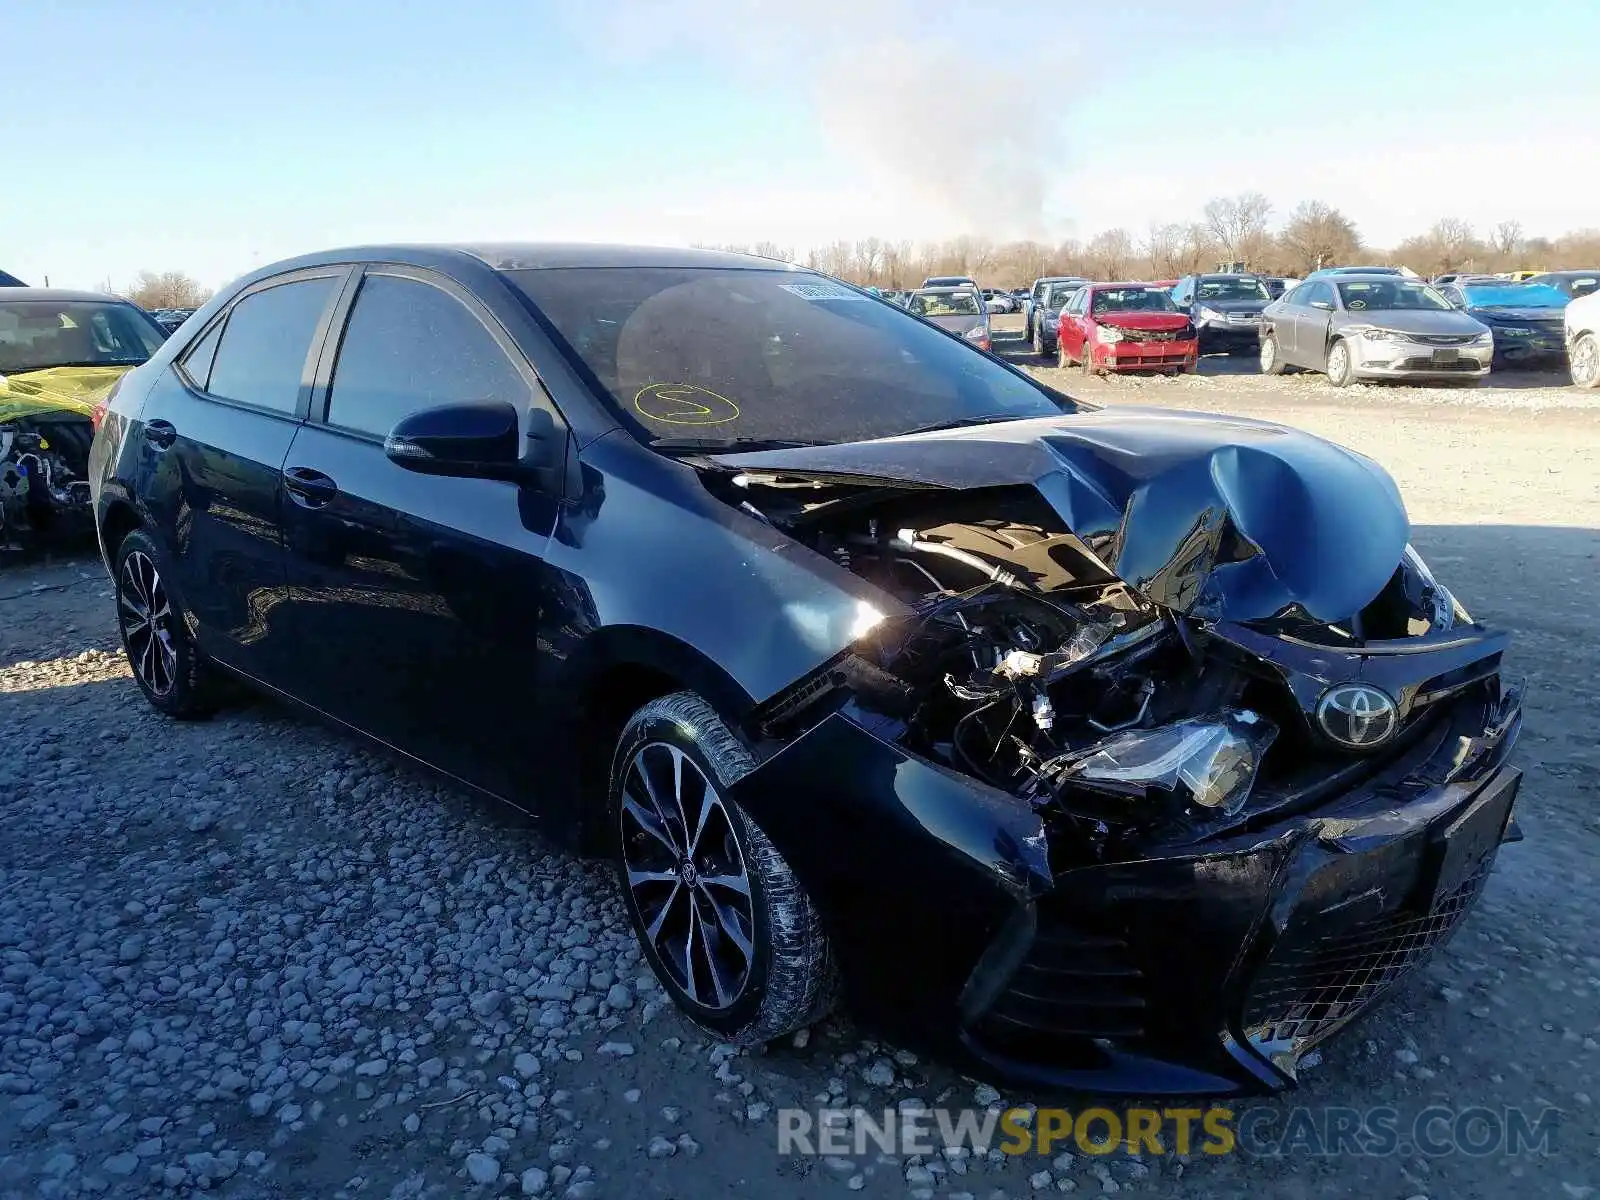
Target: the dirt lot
(256, 957)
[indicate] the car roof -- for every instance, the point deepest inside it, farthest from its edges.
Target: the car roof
(515, 256)
(57, 295)
(941, 290)
(1576, 273)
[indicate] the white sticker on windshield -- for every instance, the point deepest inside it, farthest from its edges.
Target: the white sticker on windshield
(821, 291)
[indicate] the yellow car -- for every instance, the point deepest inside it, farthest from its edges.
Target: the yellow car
(1521, 276)
(61, 353)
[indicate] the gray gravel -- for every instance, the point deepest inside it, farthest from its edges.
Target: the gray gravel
(254, 957)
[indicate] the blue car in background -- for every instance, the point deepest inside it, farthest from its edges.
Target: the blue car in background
(1525, 318)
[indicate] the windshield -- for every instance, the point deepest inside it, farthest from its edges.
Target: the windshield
(1060, 294)
(722, 357)
(1232, 289)
(1519, 295)
(1388, 294)
(1131, 299)
(944, 304)
(35, 334)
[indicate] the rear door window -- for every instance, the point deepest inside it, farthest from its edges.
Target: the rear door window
(410, 346)
(262, 356)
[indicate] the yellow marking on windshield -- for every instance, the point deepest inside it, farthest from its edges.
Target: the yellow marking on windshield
(684, 404)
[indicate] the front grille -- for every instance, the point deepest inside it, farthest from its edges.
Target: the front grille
(1311, 985)
(1441, 339)
(1244, 318)
(1423, 363)
(1076, 983)
(1151, 335)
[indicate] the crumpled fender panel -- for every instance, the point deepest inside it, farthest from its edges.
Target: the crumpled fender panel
(1219, 517)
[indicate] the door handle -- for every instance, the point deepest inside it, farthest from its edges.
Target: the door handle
(160, 434)
(309, 488)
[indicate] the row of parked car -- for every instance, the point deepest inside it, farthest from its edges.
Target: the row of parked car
(1350, 323)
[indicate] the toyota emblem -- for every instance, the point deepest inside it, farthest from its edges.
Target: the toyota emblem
(1357, 716)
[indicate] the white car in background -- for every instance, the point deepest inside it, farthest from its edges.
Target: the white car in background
(1583, 340)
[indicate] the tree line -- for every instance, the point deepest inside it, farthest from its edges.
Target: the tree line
(1229, 229)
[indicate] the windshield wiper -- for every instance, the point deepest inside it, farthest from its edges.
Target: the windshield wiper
(963, 422)
(724, 445)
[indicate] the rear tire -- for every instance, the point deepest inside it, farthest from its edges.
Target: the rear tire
(170, 670)
(1584, 361)
(1271, 360)
(1341, 371)
(725, 925)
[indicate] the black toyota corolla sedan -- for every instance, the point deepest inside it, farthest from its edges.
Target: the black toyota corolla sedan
(1108, 749)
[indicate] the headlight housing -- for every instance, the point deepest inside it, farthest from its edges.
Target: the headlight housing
(1444, 610)
(1107, 335)
(1210, 762)
(1372, 333)
(1486, 338)
(1209, 314)
(977, 333)
(1515, 331)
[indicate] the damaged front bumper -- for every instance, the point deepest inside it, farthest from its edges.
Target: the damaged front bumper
(1205, 968)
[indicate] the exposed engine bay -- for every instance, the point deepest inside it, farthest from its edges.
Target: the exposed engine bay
(1028, 664)
(43, 478)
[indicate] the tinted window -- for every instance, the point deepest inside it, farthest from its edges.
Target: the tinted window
(714, 355)
(197, 363)
(1298, 295)
(1318, 292)
(36, 334)
(262, 357)
(411, 346)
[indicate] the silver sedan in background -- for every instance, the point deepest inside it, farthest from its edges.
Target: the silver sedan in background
(1373, 327)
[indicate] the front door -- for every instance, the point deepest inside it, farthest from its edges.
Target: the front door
(216, 428)
(1312, 324)
(417, 599)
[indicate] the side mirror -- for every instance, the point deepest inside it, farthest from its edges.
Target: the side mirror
(473, 441)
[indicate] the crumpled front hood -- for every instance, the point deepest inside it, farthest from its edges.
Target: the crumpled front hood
(74, 390)
(1221, 517)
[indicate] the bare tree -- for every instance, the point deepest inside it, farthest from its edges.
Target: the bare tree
(1506, 239)
(1163, 250)
(1239, 224)
(1110, 253)
(1318, 235)
(168, 289)
(773, 250)
(1453, 241)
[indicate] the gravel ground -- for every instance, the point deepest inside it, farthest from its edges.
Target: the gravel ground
(256, 957)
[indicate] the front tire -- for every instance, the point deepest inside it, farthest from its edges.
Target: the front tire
(1040, 350)
(1341, 371)
(1584, 361)
(725, 925)
(1271, 360)
(170, 670)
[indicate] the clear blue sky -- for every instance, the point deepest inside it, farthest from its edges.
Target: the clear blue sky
(210, 135)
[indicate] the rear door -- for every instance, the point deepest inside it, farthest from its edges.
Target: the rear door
(417, 599)
(215, 431)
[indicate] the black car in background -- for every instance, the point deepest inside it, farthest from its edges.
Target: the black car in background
(1527, 319)
(1100, 748)
(1573, 283)
(1045, 321)
(1225, 310)
(8, 280)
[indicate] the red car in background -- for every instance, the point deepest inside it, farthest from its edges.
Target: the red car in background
(1126, 327)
